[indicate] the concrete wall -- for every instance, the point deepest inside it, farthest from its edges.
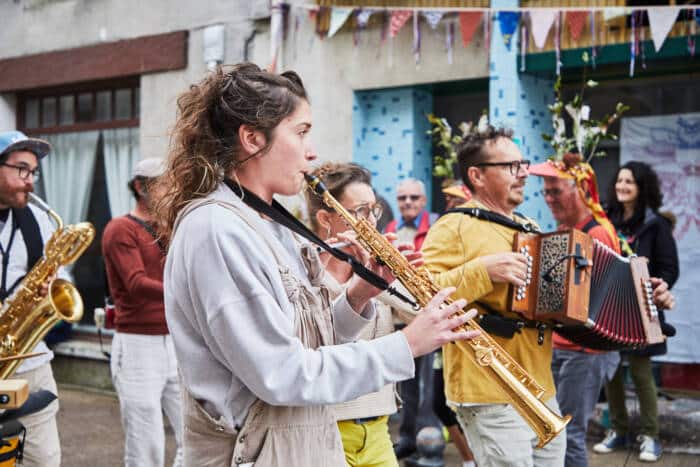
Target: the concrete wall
(332, 69)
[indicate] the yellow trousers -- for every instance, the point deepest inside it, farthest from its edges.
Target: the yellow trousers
(368, 444)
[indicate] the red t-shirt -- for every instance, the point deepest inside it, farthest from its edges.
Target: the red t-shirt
(598, 232)
(134, 264)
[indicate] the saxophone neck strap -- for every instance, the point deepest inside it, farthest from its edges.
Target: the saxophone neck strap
(490, 216)
(23, 220)
(279, 214)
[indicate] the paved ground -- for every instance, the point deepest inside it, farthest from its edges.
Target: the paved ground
(91, 436)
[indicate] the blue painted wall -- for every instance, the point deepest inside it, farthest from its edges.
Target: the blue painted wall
(519, 101)
(390, 137)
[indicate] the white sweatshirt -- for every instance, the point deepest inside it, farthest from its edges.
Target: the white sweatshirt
(233, 326)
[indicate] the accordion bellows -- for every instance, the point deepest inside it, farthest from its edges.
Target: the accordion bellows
(595, 297)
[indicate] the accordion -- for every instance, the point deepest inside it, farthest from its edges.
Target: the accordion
(594, 297)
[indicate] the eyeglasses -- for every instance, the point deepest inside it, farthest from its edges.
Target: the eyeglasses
(24, 172)
(363, 212)
(513, 165)
(553, 192)
(402, 198)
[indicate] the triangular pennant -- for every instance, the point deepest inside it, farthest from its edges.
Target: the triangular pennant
(398, 19)
(469, 21)
(508, 21)
(541, 22)
(338, 18)
(661, 20)
(433, 17)
(363, 17)
(575, 20)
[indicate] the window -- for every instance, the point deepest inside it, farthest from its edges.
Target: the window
(80, 108)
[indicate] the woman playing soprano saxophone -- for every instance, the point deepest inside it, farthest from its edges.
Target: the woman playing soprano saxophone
(252, 329)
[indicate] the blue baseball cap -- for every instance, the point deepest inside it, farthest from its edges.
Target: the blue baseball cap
(17, 141)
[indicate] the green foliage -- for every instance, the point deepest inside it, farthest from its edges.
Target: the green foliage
(447, 142)
(586, 133)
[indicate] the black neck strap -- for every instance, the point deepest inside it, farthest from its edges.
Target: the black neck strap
(496, 218)
(279, 214)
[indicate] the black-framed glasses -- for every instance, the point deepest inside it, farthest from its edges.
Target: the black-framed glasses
(25, 172)
(363, 212)
(513, 165)
(414, 198)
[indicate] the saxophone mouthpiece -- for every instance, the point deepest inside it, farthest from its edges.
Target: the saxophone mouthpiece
(38, 202)
(315, 183)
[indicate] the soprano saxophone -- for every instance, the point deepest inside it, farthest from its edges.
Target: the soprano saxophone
(523, 392)
(26, 317)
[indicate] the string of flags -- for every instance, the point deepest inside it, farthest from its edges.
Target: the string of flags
(536, 24)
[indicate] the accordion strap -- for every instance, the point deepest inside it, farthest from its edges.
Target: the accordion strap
(495, 323)
(490, 216)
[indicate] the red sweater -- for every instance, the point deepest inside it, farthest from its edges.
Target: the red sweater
(134, 266)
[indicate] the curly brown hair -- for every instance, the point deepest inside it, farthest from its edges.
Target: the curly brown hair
(337, 177)
(470, 151)
(204, 143)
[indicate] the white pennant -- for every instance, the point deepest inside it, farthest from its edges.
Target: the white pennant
(338, 18)
(541, 22)
(363, 17)
(661, 20)
(433, 17)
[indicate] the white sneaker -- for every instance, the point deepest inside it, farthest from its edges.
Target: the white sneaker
(650, 450)
(612, 442)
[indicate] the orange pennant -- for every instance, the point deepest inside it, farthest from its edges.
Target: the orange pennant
(469, 21)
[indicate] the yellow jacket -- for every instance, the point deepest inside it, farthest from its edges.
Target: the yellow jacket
(452, 250)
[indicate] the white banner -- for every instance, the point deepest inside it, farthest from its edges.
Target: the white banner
(671, 145)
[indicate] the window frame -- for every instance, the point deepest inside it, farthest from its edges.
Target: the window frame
(74, 90)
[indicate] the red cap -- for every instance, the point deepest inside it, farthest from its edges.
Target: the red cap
(550, 169)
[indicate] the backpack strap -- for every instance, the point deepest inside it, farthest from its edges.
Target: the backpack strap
(28, 225)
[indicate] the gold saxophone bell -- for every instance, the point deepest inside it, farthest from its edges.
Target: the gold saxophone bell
(25, 318)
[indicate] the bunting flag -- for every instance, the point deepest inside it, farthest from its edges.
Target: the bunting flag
(433, 17)
(594, 49)
(661, 20)
(469, 21)
(575, 20)
(416, 38)
(541, 22)
(449, 40)
(338, 18)
(398, 19)
(363, 16)
(508, 21)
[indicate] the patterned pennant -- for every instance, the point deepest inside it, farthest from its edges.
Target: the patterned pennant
(338, 18)
(363, 17)
(508, 21)
(469, 21)
(661, 20)
(398, 19)
(433, 17)
(575, 20)
(541, 22)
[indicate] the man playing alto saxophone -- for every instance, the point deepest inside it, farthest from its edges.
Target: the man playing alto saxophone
(23, 232)
(473, 252)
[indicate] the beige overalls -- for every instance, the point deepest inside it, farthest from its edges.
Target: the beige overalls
(272, 436)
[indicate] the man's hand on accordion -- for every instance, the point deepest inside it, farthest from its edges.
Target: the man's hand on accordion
(663, 298)
(506, 267)
(437, 324)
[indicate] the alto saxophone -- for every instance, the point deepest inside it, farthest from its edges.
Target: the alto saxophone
(26, 317)
(523, 392)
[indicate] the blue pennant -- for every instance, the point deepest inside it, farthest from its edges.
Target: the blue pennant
(508, 21)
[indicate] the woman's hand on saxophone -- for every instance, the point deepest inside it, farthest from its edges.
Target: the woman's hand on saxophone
(438, 324)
